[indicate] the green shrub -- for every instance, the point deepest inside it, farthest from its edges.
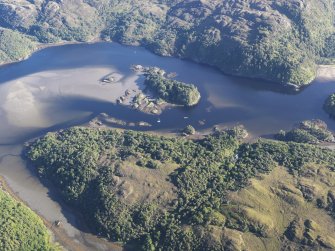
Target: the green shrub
(329, 105)
(189, 130)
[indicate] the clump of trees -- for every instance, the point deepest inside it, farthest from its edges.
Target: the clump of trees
(309, 131)
(189, 130)
(329, 105)
(172, 91)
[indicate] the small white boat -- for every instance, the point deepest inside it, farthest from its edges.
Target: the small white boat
(158, 120)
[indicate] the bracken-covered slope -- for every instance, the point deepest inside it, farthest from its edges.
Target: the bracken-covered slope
(279, 40)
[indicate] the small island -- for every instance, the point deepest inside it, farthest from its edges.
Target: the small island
(170, 90)
(111, 78)
(160, 91)
(329, 105)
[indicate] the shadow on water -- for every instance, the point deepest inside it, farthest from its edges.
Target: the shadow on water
(225, 99)
(170, 118)
(111, 54)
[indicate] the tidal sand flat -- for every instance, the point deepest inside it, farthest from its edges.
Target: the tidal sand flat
(326, 73)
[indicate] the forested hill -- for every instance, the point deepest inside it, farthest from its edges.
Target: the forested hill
(151, 192)
(279, 40)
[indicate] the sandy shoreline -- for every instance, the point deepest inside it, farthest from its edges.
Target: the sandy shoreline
(326, 73)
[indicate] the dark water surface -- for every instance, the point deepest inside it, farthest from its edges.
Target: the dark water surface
(261, 106)
(59, 87)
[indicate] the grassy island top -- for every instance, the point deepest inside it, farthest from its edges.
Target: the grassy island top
(172, 91)
(173, 193)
